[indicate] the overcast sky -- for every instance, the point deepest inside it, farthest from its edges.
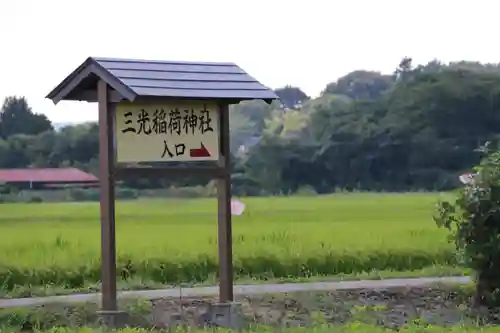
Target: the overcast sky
(303, 43)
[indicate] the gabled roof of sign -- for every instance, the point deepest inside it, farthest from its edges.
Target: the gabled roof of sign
(152, 78)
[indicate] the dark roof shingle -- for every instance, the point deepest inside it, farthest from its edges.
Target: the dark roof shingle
(153, 78)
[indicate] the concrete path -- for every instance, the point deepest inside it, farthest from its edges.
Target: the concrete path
(239, 290)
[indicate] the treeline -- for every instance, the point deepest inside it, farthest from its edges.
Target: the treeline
(414, 129)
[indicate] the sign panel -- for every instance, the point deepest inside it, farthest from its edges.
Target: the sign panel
(176, 132)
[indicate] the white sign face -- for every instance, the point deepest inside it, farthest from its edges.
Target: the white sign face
(177, 132)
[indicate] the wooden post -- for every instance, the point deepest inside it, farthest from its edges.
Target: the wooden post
(224, 211)
(113, 88)
(107, 199)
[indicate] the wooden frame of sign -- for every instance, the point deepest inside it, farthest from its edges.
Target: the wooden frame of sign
(161, 119)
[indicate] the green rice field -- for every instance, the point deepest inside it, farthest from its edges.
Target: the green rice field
(172, 241)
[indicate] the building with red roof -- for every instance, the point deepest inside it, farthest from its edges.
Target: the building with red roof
(47, 178)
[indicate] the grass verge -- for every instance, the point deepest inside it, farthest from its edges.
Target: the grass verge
(138, 284)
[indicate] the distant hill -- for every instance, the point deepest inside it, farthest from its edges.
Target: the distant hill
(58, 126)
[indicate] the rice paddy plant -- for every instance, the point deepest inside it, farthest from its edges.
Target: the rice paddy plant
(175, 241)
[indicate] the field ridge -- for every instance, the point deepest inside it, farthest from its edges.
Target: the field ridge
(241, 290)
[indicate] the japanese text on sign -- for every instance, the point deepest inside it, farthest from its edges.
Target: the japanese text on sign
(186, 131)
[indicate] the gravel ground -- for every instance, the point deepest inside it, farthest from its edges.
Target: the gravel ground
(390, 307)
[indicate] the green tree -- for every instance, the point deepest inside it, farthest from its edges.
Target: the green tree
(404, 69)
(367, 130)
(360, 85)
(16, 117)
(291, 97)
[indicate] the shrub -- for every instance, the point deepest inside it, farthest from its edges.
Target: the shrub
(306, 191)
(473, 220)
(78, 194)
(126, 193)
(35, 199)
(187, 192)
